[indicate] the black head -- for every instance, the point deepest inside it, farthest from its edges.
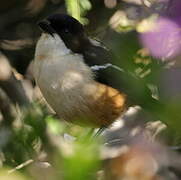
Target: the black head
(68, 28)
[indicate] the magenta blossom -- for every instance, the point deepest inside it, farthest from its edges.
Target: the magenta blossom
(164, 41)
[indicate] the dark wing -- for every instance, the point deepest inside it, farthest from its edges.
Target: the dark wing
(135, 88)
(100, 60)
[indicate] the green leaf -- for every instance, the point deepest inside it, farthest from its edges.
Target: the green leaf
(78, 8)
(54, 125)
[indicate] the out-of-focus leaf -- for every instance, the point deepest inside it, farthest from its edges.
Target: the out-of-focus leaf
(73, 8)
(35, 117)
(4, 175)
(54, 125)
(78, 8)
(82, 163)
(35, 6)
(120, 22)
(85, 5)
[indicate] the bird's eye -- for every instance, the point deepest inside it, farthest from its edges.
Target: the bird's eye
(66, 31)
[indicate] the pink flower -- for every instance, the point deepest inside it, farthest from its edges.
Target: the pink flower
(164, 41)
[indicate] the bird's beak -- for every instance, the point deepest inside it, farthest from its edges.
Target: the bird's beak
(46, 27)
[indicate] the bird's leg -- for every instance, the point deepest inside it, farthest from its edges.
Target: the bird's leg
(92, 135)
(99, 132)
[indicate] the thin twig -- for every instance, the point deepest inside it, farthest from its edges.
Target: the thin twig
(26, 163)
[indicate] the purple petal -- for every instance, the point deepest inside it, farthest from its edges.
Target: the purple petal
(164, 41)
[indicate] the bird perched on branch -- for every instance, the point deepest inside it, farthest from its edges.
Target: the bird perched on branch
(77, 78)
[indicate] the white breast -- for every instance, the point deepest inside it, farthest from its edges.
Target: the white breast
(64, 80)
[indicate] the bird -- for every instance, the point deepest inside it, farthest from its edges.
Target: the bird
(77, 77)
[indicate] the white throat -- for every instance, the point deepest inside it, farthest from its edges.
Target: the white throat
(51, 45)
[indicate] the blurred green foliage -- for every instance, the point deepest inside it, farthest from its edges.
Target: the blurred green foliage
(77, 156)
(83, 162)
(78, 9)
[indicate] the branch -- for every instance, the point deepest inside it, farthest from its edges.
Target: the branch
(11, 86)
(6, 109)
